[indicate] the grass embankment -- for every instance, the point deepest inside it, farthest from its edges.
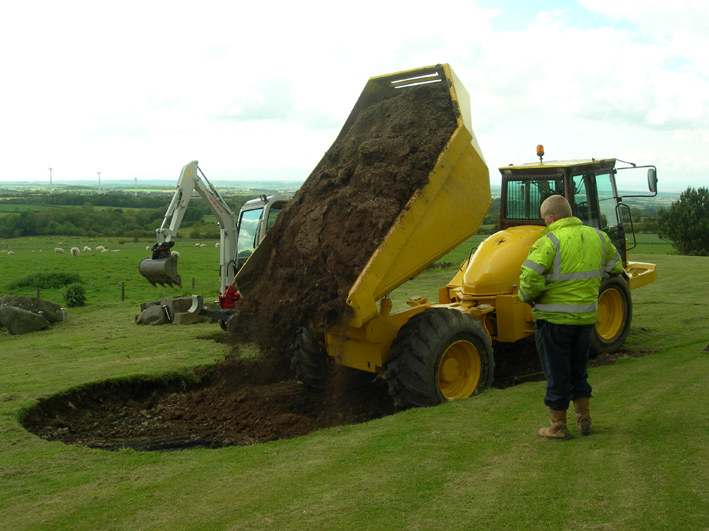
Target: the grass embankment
(470, 464)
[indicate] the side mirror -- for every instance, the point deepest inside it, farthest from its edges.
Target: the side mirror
(652, 180)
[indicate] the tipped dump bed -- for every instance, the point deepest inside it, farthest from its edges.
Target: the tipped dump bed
(442, 214)
(402, 184)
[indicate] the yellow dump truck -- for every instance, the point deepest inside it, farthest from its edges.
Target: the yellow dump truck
(442, 350)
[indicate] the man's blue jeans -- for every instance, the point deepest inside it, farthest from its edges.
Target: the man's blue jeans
(563, 352)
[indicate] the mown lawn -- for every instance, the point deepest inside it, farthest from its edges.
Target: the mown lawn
(469, 464)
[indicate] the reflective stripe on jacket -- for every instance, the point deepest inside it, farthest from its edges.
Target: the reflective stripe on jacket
(564, 269)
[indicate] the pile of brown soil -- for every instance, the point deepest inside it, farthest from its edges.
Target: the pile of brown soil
(327, 233)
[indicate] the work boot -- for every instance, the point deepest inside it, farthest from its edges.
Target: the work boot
(583, 416)
(558, 429)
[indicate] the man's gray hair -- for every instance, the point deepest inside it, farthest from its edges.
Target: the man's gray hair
(557, 205)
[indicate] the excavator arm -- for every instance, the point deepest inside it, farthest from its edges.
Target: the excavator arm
(161, 267)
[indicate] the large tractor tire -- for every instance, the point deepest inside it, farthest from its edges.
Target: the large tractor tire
(309, 359)
(439, 355)
(615, 313)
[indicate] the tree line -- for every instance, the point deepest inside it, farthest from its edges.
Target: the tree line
(106, 215)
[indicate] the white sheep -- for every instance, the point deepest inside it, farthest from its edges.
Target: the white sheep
(196, 245)
(175, 253)
(100, 248)
(10, 253)
(59, 250)
(202, 244)
(115, 250)
(86, 249)
(216, 245)
(74, 251)
(147, 247)
(104, 250)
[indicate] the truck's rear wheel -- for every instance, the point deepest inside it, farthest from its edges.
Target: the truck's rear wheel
(439, 355)
(615, 312)
(309, 358)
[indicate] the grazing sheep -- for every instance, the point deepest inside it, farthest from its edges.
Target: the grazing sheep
(202, 244)
(74, 251)
(196, 245)
(147, 247)
(87, 248)
(175, 253)
(10, 253)
(104, 250)
(115, 250)
(100, 248)
(59, 250)
(216, 245)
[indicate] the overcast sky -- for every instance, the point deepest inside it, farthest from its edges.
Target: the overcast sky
(138, 89)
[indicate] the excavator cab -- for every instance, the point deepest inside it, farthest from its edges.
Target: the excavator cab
(255, 219)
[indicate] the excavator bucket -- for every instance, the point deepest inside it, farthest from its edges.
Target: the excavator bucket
(161, 271)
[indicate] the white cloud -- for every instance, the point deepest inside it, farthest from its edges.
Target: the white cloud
(136, 88)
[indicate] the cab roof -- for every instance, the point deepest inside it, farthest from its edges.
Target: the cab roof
(559, 166)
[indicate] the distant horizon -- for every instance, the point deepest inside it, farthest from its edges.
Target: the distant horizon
(128, 185)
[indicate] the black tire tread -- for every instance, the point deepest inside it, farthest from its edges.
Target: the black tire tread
(309, 359)
(412, 362)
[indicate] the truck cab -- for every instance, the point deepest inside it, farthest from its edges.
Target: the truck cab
(589, 186)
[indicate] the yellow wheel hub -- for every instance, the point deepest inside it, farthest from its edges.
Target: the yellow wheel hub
(611, 314)
(459, 370)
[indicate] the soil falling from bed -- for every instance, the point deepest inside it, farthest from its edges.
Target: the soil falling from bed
(326, 234)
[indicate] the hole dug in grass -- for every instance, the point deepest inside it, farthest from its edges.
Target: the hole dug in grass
(234, 403)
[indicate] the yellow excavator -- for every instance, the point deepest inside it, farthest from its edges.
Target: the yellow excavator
(441, 350)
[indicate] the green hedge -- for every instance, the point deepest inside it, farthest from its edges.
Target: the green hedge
(49, 280)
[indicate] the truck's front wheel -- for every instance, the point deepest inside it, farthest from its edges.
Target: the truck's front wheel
(439, 355)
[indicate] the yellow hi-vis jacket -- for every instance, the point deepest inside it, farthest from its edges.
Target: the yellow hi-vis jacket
(564, 269)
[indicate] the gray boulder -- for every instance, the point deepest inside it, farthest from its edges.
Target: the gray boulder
(179, 304)
(178, 308)
(50, 311)
(19, 321)
(152, 315)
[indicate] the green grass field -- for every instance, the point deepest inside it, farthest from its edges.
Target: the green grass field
(469, 464)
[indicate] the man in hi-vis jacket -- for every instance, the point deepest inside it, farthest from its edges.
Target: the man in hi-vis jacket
(561, 277)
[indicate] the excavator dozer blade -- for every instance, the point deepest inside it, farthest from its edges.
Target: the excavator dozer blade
(161, 271)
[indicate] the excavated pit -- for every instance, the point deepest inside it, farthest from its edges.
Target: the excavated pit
(234, 403)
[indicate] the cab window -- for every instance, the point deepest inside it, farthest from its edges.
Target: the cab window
(524, 197)
(585, 205)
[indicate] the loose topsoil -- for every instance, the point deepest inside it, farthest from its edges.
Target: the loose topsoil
(326, 234)
(235, 403)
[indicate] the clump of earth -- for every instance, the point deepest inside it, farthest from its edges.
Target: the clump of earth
(236, 403)
(327, 233)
